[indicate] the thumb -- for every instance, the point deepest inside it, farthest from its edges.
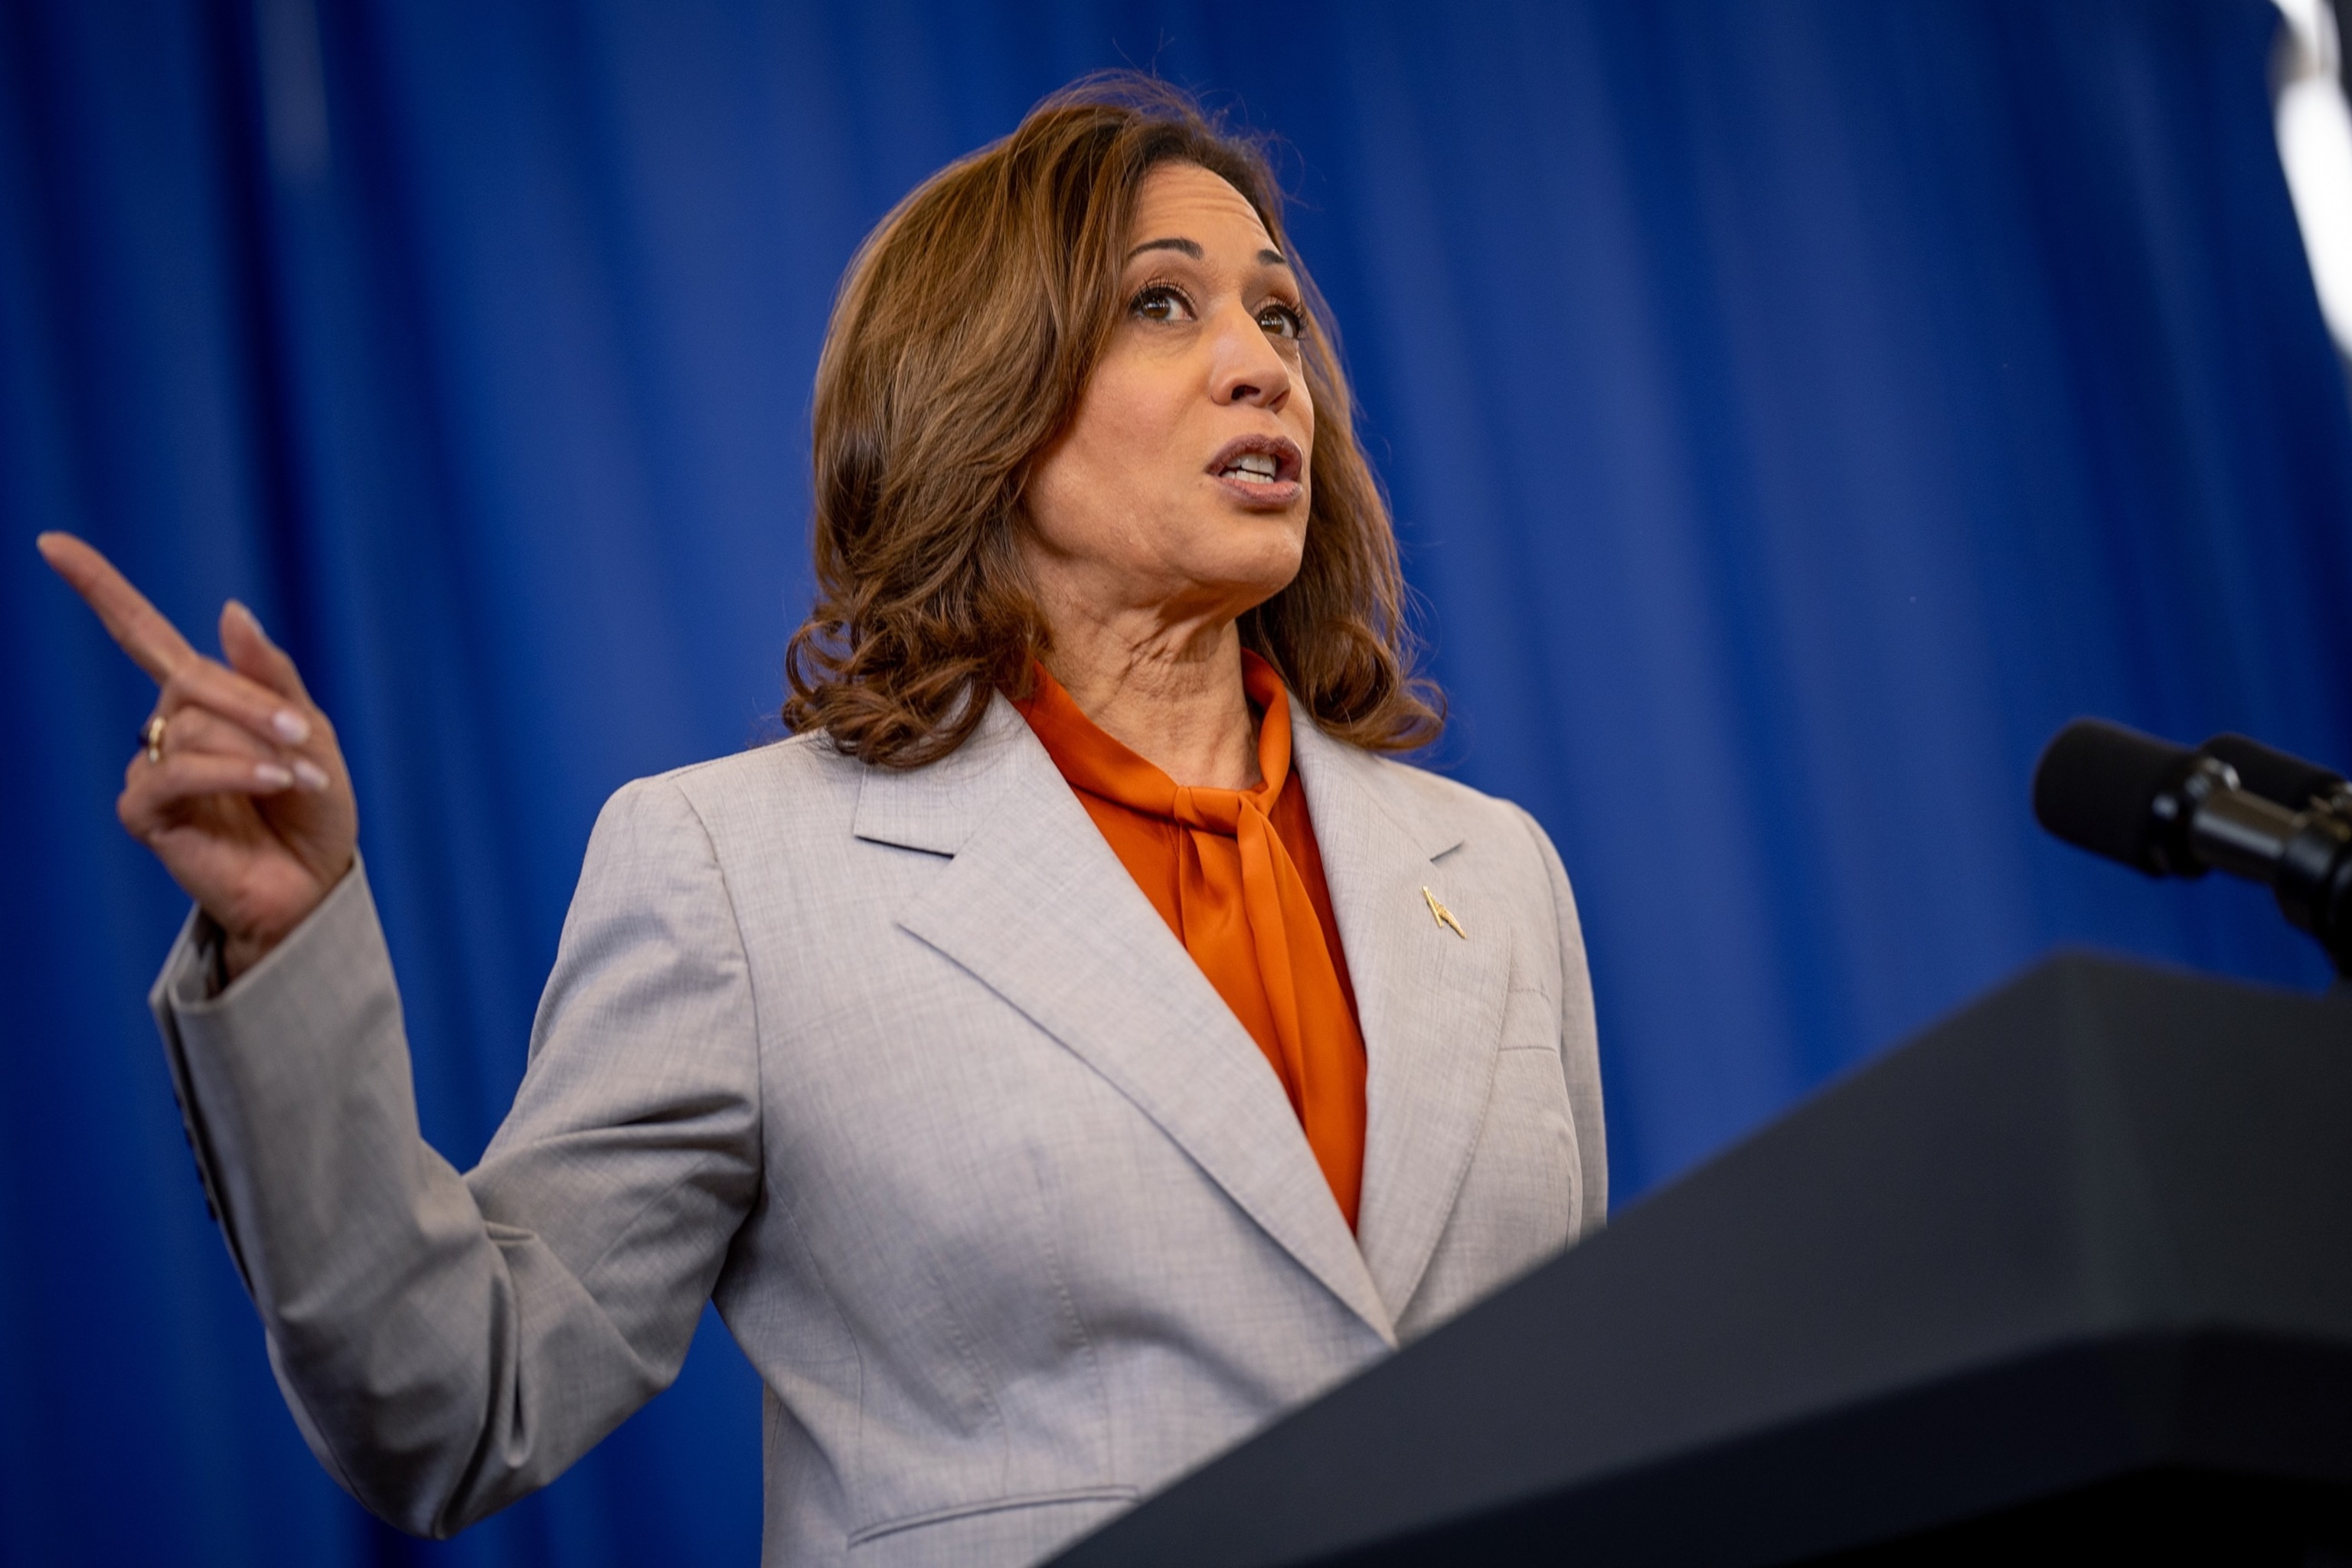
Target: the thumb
(252, 654)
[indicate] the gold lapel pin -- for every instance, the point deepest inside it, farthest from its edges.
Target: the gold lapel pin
(1443, 916)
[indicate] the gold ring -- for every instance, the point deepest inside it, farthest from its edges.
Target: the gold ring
(150, 736)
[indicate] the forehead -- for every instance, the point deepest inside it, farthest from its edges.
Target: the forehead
(1185, 201)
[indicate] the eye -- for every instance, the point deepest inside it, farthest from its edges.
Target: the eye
(1161, 302)
(1282, 320)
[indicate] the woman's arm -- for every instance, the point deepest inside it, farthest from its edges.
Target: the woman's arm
(1580, 1047)
(447, 1343)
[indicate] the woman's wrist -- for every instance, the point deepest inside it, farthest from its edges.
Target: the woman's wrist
(237, 954)
(239, 950)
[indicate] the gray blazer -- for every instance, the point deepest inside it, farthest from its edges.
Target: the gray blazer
(904, 1071)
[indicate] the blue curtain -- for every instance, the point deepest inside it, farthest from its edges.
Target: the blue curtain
(1794, 413)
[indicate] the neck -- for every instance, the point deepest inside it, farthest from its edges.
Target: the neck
(1174, 699)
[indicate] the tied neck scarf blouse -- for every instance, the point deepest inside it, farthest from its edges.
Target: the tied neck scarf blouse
(1237, 877)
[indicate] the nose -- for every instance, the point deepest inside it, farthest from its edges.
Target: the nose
(1245, 368)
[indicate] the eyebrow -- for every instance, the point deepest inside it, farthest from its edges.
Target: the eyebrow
(1191, 248)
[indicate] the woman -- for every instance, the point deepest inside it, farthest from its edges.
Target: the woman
(1073, 1048)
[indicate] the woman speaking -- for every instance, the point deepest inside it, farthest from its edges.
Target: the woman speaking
(1075, 1045)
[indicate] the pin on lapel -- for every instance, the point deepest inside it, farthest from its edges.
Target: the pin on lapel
(1443, 916)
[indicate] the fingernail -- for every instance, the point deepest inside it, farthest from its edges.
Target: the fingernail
(242, 608)
(310, 775)
(291, 727)
(271, 775)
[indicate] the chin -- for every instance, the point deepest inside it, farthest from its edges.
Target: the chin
(1263, 549)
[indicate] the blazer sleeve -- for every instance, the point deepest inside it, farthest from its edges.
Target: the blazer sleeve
(448, 1343)
(1579, 1043)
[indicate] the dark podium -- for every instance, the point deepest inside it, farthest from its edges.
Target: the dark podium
(2072, 1271)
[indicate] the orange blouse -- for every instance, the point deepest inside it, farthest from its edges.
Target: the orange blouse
(1237, 877)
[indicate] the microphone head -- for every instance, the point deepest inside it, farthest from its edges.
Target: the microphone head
(2096, 787)
(2277, 776)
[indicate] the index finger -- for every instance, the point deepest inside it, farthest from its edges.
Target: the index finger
(153, 643)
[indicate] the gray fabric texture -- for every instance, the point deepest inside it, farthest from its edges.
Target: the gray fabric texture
(901, 1069)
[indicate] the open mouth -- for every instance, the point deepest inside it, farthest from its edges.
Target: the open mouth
(1257, 460)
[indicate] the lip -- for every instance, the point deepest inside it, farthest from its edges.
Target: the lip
(1278, 492)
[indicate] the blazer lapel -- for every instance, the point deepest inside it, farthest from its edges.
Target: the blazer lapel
(1431, 1002)
(1035, 905)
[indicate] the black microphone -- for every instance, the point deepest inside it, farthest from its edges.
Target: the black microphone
(2169, 811)
(2280, 777)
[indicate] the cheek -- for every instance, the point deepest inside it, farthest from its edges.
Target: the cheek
(1119, 435)
(1127, 423)
(1069, 488)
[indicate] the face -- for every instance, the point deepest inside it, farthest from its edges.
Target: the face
(1180, 490)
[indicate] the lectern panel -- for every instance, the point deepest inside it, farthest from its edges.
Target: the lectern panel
(2098, 1226)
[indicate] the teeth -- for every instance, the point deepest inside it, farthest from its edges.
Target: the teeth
(1259, 466)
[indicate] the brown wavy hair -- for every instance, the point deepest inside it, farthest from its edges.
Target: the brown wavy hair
(965, 330)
